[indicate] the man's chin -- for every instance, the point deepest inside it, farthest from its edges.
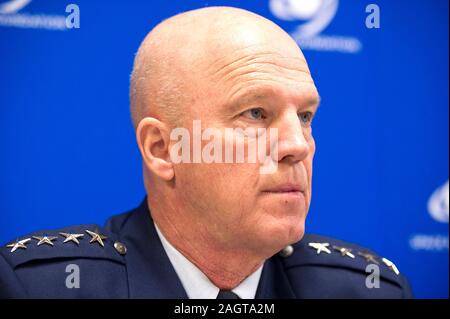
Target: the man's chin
(290, 229)
(296, 233)
(283, 234)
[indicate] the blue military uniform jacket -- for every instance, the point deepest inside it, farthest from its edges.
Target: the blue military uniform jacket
(132, 263)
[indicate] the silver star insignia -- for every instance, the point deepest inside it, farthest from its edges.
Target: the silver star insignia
(71, 237)
(390, 265)
(45, 240)
(320, 247)
(369, 257)
(18, 244)
(96, 237)
(344, 251)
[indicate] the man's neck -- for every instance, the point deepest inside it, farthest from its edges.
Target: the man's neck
(225, 267)
(196, 284)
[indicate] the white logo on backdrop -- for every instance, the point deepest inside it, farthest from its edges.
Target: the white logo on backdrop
(438, 210)
(13, 6)
(314, 16)
(9, 17)
(438, 204)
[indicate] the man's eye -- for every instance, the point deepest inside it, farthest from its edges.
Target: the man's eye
(306, 118)
(254, 114)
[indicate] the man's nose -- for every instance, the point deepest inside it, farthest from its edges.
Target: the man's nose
(293, 146)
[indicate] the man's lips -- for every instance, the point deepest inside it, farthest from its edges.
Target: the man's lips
(285, 188)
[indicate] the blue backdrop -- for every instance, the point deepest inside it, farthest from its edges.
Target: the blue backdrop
(67, 148)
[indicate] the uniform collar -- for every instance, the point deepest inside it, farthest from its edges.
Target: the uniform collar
(151, 274)
(195, 282)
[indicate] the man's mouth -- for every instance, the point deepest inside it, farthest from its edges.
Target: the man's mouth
(286, 189)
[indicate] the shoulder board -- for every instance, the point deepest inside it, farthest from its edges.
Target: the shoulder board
(324, 251)
(80, 241)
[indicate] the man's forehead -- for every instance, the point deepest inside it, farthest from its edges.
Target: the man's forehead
(262, 74)
(239, 56)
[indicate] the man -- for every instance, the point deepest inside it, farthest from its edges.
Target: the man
(209, 229)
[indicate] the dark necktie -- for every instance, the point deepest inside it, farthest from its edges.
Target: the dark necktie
(227, 294)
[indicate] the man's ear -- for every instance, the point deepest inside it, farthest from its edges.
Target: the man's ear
(153, 138)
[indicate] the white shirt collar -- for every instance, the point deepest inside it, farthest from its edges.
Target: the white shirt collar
(195, 282)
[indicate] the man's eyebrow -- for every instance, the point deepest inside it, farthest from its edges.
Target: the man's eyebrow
(252, 95)
(315, 102)
(239, 100)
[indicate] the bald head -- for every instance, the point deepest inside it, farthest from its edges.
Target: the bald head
(178, 55)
